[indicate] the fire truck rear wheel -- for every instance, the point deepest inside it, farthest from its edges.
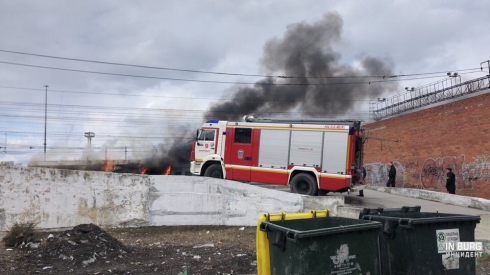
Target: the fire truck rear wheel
(214, 171)
(304, 184)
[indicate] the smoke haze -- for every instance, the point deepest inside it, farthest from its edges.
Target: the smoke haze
(305, 52)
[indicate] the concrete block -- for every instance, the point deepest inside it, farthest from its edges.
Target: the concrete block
(348, 212)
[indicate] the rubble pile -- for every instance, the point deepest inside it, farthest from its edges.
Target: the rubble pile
(84, 245)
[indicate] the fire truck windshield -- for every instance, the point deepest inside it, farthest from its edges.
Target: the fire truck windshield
(207, 135)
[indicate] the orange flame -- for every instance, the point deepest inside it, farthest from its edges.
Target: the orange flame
(143, 170)
(168, 170)
(108, 166)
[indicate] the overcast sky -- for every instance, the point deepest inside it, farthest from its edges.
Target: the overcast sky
(133, 110)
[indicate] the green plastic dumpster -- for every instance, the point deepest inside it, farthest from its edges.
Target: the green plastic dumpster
(377, 211)
(330, 245)
(417, 243)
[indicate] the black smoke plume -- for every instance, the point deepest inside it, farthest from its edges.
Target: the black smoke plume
(177, 155)
(306, 53)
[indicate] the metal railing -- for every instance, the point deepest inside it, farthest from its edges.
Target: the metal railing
(426, 95)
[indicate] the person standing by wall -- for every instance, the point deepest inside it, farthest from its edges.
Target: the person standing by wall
(364, 173)
(450, 181)
(391, 175)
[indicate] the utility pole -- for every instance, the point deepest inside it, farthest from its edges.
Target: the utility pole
(45, 118)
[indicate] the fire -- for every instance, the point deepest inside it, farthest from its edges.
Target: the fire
(108, 166)
(143, 170)
(168, 170)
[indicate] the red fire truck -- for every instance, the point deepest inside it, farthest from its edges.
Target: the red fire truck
(312, 157)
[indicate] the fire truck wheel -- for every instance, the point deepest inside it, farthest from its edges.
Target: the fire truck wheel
(304, 184)
(214, 171)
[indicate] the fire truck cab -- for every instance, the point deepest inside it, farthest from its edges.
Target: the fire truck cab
(312, 157)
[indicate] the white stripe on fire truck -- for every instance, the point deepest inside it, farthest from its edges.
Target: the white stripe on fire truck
(282, 171)
(260, 169)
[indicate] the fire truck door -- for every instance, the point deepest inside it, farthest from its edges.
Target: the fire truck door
(205, 144)
(241, 154)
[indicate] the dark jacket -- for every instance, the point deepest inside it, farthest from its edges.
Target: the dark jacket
(392, 172)
(450, 181)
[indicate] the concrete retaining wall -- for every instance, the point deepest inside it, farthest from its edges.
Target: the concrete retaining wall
(197, 200)
(471, 202)
(55, 199)
(62, 198)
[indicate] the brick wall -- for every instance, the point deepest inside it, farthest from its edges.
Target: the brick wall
(422, 144)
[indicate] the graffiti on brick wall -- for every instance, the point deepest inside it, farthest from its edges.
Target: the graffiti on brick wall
(410, 165)
(433, 172)
(377, 174)
(468, 175)
(477, 172)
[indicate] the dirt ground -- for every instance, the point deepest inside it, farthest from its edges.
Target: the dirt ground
(182, 250)
(148, 250)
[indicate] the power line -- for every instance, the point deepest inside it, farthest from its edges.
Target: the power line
(107, 110)
(223, 73)
(71, 109)
(394, 79)
(104, 135)
(149, 95)
(116, 94)
(137, 66)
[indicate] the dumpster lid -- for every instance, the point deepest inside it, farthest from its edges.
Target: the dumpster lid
(380, 210)
(295, 234)
(413, 218)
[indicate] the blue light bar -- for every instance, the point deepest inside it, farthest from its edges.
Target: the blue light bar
(212, 121)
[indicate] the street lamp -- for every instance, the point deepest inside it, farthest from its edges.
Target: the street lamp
(45, 118)
(454, 75)
(89, 135)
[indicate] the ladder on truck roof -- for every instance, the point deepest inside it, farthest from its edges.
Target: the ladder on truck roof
(305, 121)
